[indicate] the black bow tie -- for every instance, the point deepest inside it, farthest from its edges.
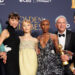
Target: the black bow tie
(61, 35)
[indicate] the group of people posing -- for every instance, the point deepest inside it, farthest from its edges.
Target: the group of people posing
(26, 55)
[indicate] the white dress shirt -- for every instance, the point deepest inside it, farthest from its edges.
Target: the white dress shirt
(62, 39)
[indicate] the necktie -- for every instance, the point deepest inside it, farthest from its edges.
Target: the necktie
(63, 35)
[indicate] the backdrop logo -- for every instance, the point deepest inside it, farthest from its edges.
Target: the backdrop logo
(24, 0)
(44, 1)
(35, 1)
(2, 2)
(34, 20)
(68, 26)
(73, 4)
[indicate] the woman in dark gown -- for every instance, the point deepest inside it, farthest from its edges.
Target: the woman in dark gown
(11, 39)
(49, 61)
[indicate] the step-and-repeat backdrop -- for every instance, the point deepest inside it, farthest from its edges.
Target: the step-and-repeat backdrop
(37, 10)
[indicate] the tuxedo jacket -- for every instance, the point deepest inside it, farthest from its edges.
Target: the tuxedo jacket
(70, 41)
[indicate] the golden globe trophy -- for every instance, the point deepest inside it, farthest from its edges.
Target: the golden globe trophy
(73, 4)
(72, 67)
(62, 53)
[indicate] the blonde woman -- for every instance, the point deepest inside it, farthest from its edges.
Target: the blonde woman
(28, 51)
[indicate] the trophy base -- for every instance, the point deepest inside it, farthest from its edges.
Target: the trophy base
(65, 63)
(72, 67)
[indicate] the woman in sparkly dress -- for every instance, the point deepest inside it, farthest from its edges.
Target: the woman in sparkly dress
(49, 60)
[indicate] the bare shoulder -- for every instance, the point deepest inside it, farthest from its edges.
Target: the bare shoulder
(39, 37)
(20, 37)
(35, 39)
(5, 33)
(53, 36)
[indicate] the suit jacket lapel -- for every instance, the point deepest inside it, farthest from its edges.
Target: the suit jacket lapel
(68, 38)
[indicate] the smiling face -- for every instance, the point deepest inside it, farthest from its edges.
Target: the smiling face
(45, 25)
(26, 26)
(61, 24)
(13, 19)
(13, 22)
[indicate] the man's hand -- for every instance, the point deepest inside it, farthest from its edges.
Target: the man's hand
(68, 52)
(74, 71)
(64, 58)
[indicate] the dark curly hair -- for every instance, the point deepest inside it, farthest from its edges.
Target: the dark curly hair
(14, 15)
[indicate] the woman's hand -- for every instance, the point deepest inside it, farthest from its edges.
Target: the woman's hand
(38, 51)
(64, 58)
(3, 56)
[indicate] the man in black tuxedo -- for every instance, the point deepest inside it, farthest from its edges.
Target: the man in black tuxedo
(66, 39)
